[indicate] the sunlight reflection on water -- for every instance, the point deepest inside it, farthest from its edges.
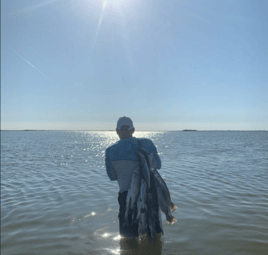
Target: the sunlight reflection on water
(56, 197)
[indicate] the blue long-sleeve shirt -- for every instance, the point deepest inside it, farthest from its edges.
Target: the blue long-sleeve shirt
(121, 159)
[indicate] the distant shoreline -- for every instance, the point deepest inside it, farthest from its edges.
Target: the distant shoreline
(184, 130)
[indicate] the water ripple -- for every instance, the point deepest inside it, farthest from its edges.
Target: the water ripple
(56, 197)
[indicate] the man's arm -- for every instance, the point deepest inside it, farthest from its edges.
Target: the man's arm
(110, 171)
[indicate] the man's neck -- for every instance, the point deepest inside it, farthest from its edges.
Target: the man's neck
(125, 137)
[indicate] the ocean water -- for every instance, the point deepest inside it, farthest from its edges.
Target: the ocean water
(56, 197)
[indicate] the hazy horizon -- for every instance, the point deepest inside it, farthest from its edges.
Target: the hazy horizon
(190, 130)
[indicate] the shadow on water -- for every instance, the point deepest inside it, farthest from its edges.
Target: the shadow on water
(143, 246)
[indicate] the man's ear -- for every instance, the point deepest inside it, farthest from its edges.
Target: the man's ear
(133, 130)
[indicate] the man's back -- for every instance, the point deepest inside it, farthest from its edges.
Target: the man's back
(121, 159)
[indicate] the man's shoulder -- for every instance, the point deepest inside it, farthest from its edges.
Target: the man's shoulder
(147, 144)
(111, 147)
(146, 141)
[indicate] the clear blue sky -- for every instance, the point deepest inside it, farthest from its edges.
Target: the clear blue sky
(169, 65)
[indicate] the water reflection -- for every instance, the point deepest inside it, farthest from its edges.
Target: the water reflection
(105, 235)
(143, 246)
(117, 238)
(110, 137)
(90, 214)
(223, 203)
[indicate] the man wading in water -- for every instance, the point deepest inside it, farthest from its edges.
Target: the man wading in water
(121, 161)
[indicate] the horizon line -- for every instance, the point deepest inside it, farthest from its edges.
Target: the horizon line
(182, 130)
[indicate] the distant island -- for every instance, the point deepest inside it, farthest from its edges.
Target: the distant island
(189, 130)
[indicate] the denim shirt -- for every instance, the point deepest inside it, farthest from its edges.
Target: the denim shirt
(121, 160)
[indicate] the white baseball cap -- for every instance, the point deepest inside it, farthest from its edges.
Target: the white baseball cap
(124, 121)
